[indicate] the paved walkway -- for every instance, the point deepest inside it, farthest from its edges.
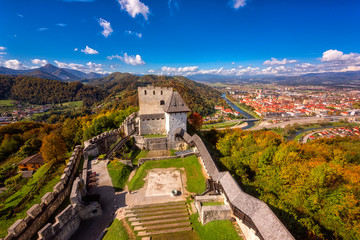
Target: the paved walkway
(110, 201)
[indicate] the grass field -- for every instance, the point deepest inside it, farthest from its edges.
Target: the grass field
(214, 230)
(31, 193)
(195, 179)
(7, 103)
(219, 125)
(74, 104)
(153, 136)
(138, 154)
(212, 203)
(119, 174)
(116, 231)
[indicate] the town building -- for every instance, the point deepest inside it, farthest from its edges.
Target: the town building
(33, 162)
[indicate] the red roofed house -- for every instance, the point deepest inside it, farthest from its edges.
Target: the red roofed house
(31, 163)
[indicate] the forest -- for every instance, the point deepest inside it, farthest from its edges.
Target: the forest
(313, 188)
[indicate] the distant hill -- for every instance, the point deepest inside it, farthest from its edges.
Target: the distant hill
(44, 91)
(199, 97)
(49, 71)
(317, 79)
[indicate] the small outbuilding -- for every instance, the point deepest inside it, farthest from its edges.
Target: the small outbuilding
(33, 162)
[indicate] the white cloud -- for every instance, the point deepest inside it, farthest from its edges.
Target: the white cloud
(107, 27)
(128, 59)
(61, 24)
(139, 35)
(179, 71)
(90, 67)
(151, 71)
(14, 64)
(42, 29)
(335, 55)
(39, 62)
(2, 50)
(274, 61)
(134, 7)
(89, 50)
(20, 15)
(173, 4)
(238, 3)
(76, 49)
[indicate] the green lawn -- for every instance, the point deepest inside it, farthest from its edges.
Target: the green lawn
(116, 231)
(74, 104)
(119, 174)
(40, 183)
(219, 125)
(153, 136)
(195, 179)
(214, 230)
(136, 155)
(7, 103)
(212, 203)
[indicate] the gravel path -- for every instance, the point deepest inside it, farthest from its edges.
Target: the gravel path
(110, 200)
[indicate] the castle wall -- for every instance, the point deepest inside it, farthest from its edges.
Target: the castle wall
(38, 214)
(150, 98)
(152, 124)
(173, 122)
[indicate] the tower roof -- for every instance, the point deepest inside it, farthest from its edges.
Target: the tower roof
(175, 104)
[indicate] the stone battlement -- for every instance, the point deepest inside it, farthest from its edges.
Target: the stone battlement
(255, 218)
(38, 214)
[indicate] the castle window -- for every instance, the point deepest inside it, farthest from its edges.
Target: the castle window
(145, 92)
(154, 92)
(161, 92)
(162, 102)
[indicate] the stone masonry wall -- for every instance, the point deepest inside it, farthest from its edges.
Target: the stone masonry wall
(38, 214)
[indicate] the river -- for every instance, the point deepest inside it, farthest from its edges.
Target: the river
(245, 114)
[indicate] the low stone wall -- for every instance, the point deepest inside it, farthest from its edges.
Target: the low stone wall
(211, 213)
(101, 144)
(38, 214)
(144, 160)
(160, 143)
(254, 215)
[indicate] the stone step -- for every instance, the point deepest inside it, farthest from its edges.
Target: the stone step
(154, 208)
(168, 216)
(157, 205)
(146, 233)
(145, 223)
(165, 212)
(160, 226)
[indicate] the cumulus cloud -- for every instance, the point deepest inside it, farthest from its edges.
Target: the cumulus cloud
(61, 24)
(139, 35)
(39, 62)
(128, 59)
(42, 29)
(89, 67)
(76, 49)
(14, 64)
(151, 71)
(106, 26)
(274, 61)
(89, 50)
(237, 3)
(134, 7)
(335, 55)
(179, 70)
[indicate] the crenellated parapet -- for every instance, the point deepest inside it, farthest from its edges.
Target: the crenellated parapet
(38, 214)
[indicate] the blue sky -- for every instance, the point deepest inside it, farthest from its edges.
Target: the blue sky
(225, 37)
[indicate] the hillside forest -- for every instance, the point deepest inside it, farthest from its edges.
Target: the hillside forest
(313, 188)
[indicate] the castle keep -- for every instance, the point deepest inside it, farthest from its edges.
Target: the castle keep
(161, 112)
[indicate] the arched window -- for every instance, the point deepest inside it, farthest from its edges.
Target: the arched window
(162, 102)
(154, 92)
(145, 92)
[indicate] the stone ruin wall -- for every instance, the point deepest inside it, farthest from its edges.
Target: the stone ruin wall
(101, 144)
(38, 214)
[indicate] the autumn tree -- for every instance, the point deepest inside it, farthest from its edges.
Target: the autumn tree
(53, 148)
(196, 120)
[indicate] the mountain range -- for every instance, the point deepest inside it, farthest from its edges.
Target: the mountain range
(51, 72)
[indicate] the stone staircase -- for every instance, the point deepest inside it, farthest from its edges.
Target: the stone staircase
(156, 219)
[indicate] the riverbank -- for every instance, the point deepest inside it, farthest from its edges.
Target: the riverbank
(248, 113)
